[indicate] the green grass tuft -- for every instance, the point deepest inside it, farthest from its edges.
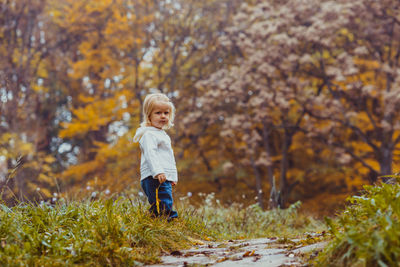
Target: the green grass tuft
(102, 232)
(367, 233)
(121, 232)
(239, 222)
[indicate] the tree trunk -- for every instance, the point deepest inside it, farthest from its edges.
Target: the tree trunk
(258, 183)
(386, 149)
(273, 195)
(283, 184)
(385, 161)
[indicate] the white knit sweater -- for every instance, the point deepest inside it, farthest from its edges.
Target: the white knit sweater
(157, 154)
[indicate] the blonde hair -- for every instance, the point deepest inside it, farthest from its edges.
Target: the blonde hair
(148, 105)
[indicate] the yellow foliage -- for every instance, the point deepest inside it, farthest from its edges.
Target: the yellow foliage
(46, 192)
(12, 146)
(361, 148)
(79, 171)
(362, 121)
(276, 158)
(44, 178)
(326, 153)
(42, 71)
(42, 192)
(368, 63)
(363, 171)
(114, 167)
(39, 88)
(296, 174)
(374, 164)
(326, 55)
(345, 32)
(95, 114)
(49, 159)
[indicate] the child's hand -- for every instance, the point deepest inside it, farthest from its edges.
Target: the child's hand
(173, 183)
(161, 177)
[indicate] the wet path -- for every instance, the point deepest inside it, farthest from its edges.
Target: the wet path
(254, 252)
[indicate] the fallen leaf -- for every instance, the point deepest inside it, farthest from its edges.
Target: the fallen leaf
(236, 258)
(249, 253)
(176, 253)
(222, 259)
(195, 241)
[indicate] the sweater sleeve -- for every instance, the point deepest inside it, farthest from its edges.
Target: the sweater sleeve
(149, 146)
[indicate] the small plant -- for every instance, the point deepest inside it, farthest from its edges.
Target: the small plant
(120, 232)
(238, 222)
(104, 232)
(367, 233)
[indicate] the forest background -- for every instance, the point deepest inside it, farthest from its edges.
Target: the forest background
(277, 101)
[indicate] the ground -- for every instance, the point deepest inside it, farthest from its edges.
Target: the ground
(255, 252)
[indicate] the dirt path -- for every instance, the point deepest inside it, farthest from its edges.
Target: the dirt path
(254, 252)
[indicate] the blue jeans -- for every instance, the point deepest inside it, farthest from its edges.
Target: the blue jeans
(149, 186)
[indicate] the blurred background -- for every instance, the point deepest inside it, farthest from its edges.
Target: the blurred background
(277, 101)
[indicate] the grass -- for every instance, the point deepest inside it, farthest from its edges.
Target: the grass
(367, 232)
(102, 232)
(120, 232)
(239, 222)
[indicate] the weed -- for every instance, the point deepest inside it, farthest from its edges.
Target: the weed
(367, 233)
(119, 231)
(238, 222)
(102, 232)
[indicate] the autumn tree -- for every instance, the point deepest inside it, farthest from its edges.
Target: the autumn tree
(166, 49)
(315, 70)
(256, 97)
(359, 82)
(27, 109)
(184, 51)
(104, 84)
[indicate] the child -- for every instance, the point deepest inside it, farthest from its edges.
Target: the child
(157, 167)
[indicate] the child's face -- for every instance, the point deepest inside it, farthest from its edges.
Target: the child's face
(160, 115)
